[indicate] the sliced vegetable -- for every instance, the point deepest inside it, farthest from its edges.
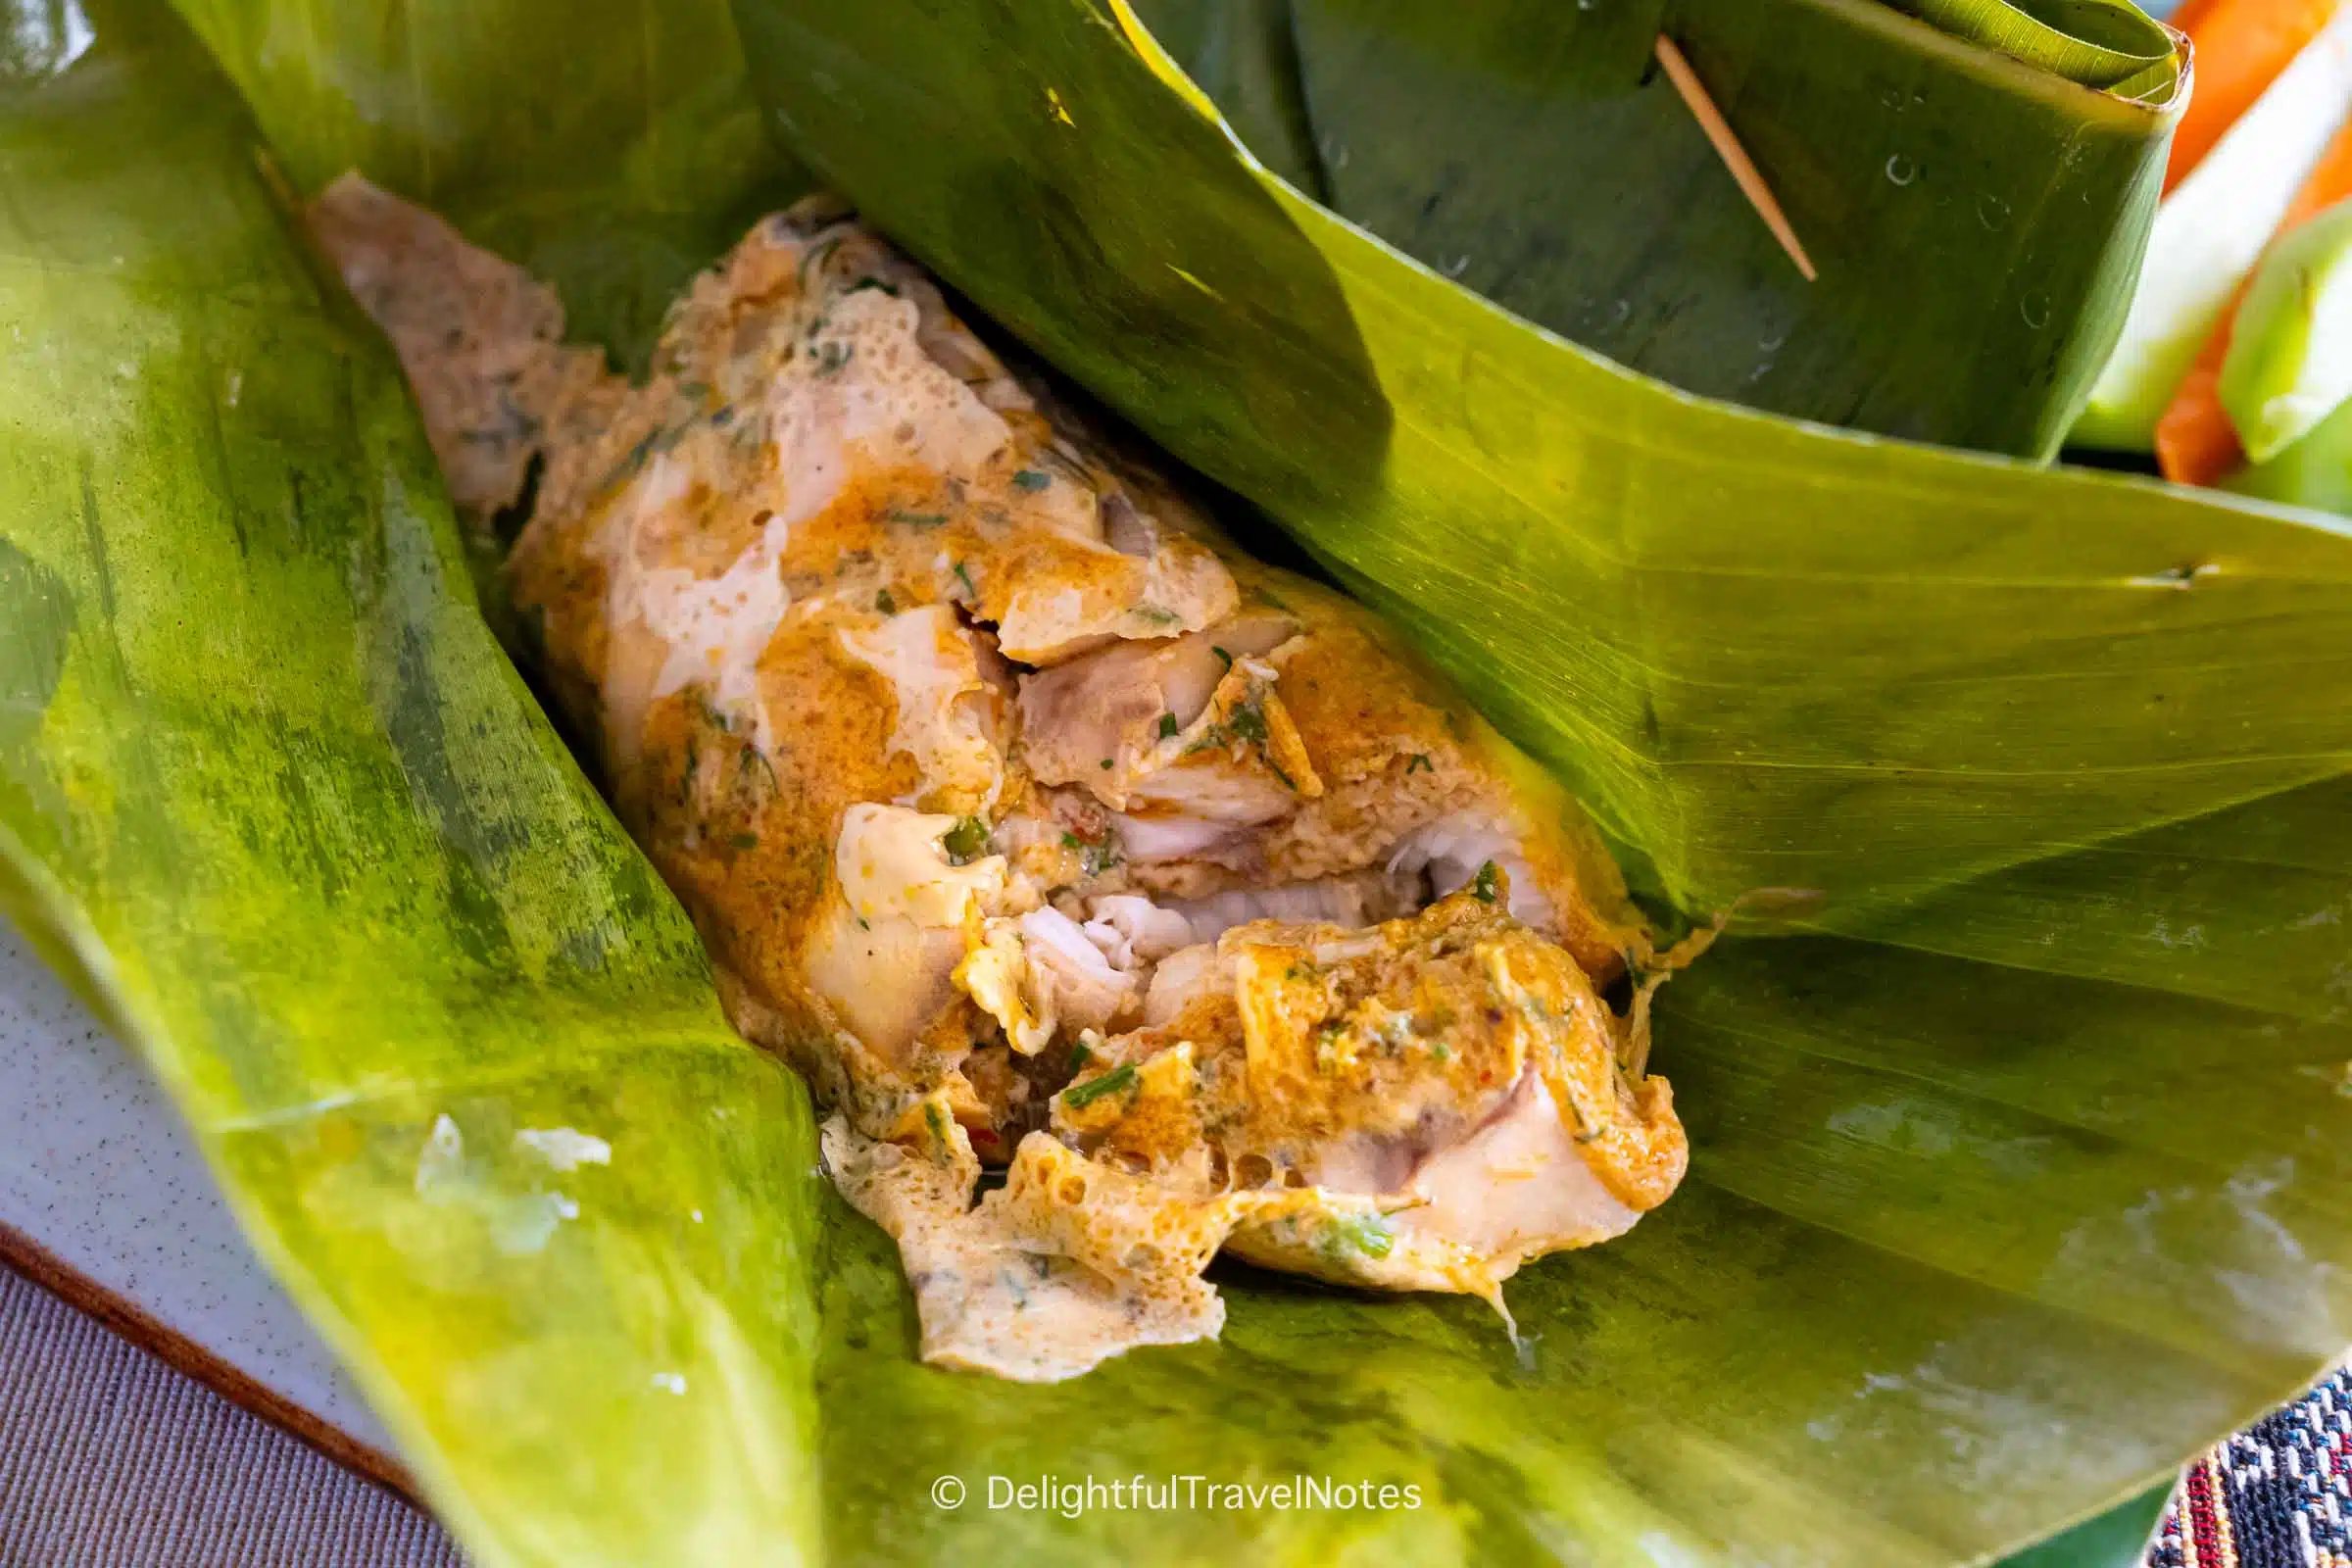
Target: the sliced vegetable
(2211, 232)
(2241, 48)
(2290, 355)
(2195, 441)
(2316, 472)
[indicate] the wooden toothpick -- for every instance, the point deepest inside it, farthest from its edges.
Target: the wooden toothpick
(1735, 157)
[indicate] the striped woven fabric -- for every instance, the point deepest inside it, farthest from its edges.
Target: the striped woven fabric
(110, 1459)
(2277, 1495)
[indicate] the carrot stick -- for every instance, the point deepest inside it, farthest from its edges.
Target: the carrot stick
(2195, 442)
(2188, 17)
(2241, 47)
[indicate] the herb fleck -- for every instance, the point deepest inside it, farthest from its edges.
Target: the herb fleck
(1107, 764)
(1420, 764)
(1167, 726)
(964, 577)
(1248, 722)
(967, 841)
(1080, 1054)
(1365, 1234)
(1031, 480)
(1094, 858)
(885, 604)
(1221, 654)
(915, 519)
(1487, 885)
(1116, 1081)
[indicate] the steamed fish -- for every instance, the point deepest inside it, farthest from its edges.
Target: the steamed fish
(1124, 899)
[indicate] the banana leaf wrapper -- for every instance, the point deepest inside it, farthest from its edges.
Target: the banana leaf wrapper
(1981, 1205)
(1972, 180)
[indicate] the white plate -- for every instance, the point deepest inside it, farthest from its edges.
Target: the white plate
(100, 1177)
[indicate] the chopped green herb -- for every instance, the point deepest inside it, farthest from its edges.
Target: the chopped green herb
(1032, 480)
(1365, 1234)
(936, 1122)
(885, 604)
(1154, 615)
(1093, 857)
(967, 841)
(1420, 764)
(964, 577)
(750, 754)
(1116, 1081)
(1439, 1049)
(1222, 654)
(1167, 726)
(1080, 1054)
(1107, 764)
(1488, 883)
(745, 841)
(870, 282)
(915, 519)
(1248, 721)
(1287, 782)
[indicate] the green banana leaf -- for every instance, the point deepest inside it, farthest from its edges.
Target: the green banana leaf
(1767, 655)
(1976, 210)
(625, 157)
(1995, 1214)
(271, 795)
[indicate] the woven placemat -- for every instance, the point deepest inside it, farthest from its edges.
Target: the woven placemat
(2277, 1495)
(111, 1458)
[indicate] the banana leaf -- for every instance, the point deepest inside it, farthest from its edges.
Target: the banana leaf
(1995, 1214)
(1767, 655)
(274, 800)
(1976, 209)
(616, 170)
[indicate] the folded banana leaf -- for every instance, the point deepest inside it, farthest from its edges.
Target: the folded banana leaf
(1767, 655)
(274, 800)
(1996, 1213)
(1976, 210)
(625, 157)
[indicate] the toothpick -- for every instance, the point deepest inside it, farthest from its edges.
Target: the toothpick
(1735, 157)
